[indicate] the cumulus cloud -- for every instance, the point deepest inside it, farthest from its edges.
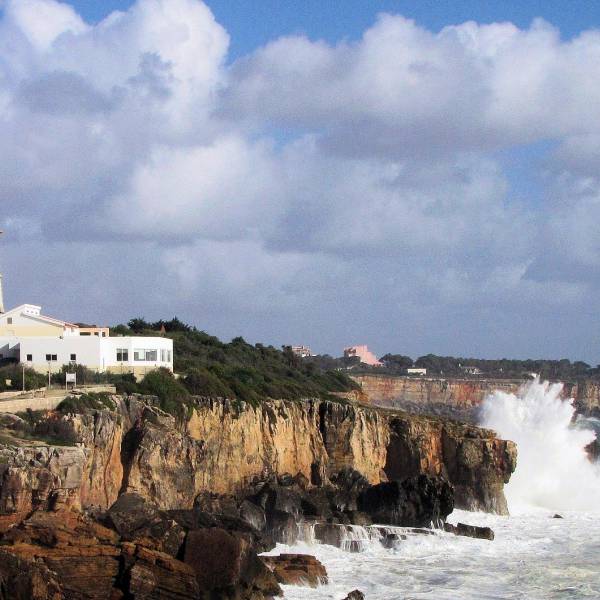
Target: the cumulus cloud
(308, 191)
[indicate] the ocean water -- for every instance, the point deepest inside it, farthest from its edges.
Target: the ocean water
(534, 556)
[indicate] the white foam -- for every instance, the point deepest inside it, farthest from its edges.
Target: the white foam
(553, 469)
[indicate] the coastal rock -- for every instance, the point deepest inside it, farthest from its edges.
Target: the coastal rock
(392, 540)
(355, 595)
(224, 449)
(481, 533)
(297, 569)
(39, 477)
(222, 561)
(153, 575)
(415, 502)
(473, 460)
(82, 555)
(23, 579)
(137, 520)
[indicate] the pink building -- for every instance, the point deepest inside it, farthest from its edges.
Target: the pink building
(363, 353)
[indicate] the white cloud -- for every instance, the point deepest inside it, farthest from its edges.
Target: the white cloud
(308, 184)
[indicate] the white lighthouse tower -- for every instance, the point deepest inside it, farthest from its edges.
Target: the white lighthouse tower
(1, 294)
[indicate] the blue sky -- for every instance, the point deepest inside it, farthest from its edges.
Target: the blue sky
(306, 172)
(253, 24)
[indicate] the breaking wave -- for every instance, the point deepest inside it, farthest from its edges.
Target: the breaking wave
(553, 469)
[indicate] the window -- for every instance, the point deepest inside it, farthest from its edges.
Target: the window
(51, 357)
(168, 356)
(143, 354)
(163, 355)
(73, 357)
(122, 355)
(30, 358)
(9, 320)
(85, 333)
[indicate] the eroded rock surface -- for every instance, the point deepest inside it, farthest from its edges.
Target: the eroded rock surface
(147, 505)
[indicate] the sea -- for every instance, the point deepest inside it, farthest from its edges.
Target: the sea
(548, 548)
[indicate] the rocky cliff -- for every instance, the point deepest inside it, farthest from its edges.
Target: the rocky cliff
(222, 447)
(145, 502)
(455, 397)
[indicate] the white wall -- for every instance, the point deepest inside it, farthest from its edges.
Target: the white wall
(94, 352)
(86, 350)
(131, 344)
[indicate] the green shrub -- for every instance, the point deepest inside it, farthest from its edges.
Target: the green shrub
(85, 402)
(14, 372)
(44, 426)
(173, 395)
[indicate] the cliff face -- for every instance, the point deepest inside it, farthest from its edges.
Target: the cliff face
(459, 397)
(222, 448)
(586, 395)
(149, 506)
(460, 394)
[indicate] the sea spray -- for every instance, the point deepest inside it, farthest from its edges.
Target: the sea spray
(553, 470)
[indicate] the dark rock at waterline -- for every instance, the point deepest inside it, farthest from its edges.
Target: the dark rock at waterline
(336, 534)
(355, 595)
(557, 516)
(392, 540)
(136, 519)
(222, 561)
(481, 533)
(415, 502)
(297, 569)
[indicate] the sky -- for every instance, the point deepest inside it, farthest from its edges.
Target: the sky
(419, 176)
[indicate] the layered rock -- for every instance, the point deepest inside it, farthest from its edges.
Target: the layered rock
(297, 569)
(459, 397)
(179, 507)
(224, 448)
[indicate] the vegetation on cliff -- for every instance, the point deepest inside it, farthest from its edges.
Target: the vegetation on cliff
(210, 367)
(452, 366)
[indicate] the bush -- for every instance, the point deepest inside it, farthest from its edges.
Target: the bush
(85, 402)
(173, 395)
(43, 426)
(33, 379)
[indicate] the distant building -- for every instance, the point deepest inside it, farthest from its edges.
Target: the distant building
(46, 344)
(302, 351)
(471, 370)
(364, 355)
(416, 371)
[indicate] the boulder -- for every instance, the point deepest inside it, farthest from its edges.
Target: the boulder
(82, 555)
(136, 519)
(392, 540)
(355, 595)
(481, 533)
(23, 579)
(253, 515)
(222, 561)
(154, 575)
(415, 502)
(297, 569)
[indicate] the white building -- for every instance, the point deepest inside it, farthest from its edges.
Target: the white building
(302, 351)
(46, 344)
(416, 371)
